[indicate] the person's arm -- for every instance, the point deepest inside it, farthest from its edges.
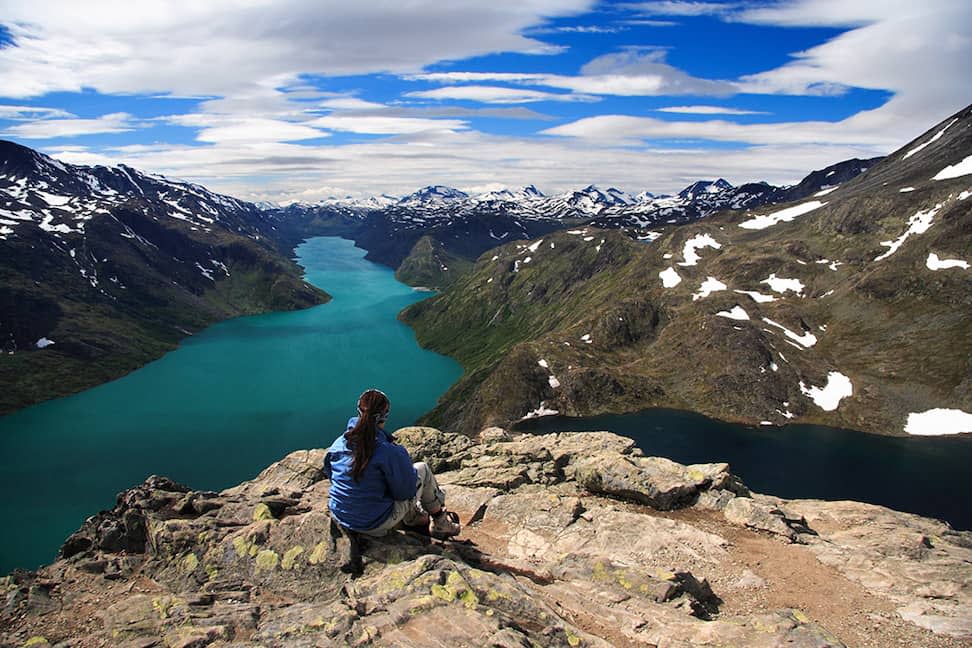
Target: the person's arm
(400, 473)
(327, 465)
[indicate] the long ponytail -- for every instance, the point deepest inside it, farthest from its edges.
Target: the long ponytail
(362, 438)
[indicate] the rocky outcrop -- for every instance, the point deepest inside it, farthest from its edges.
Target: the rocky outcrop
(572, 539)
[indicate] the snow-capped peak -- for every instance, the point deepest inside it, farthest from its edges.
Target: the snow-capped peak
(527, 193)
(433, 194)
(702, 187)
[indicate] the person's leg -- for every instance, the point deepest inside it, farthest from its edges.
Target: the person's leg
(444, 523)
(400, 511)
(429, 494)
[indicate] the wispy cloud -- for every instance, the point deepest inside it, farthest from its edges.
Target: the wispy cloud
(31, 112)
(709, 110)
(630, 73)
(496, 95)
(626, 128)
(381, 125)
(464, 159)
(50, 128)
(681, 8)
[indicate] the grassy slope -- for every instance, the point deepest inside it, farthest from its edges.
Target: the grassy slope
(431, 265)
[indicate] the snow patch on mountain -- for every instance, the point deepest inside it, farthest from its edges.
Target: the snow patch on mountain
(783, 215)
(934, 138)
(736, 313)
(938, 422)
(806, 340)
(917, 224)
(697, 242)
(955, 170)
(670, 278)
(781, 285)
(829, 396)
(757, 297)
(709, 286)
(934, 263)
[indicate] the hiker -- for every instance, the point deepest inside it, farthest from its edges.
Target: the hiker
(375, 487)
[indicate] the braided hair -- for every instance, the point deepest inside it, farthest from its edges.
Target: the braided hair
(373, 407)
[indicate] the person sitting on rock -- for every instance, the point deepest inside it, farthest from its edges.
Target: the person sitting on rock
(375, 487)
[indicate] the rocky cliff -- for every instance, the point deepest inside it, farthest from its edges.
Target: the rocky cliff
(569, 540)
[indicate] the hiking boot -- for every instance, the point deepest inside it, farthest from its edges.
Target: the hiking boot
(445, 524)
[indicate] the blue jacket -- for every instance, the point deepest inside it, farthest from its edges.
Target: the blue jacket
(389, 476)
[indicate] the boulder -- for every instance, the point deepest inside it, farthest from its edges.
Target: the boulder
(442, 451)
(762, 515)
(658, 482)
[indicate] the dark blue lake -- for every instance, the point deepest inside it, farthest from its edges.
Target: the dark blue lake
(929, 476)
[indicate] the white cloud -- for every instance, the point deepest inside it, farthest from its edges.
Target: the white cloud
(31, 112)
(49, 128)
(629, 73)
(380, 125)
(918, 51)
(650, 23)
(248, 130)
(463, 158)
(351, 103)
(681, 8)
(832, 13)
(625, 128)
(219, 47)
(589, 29)
(708, 110)
(496, 94)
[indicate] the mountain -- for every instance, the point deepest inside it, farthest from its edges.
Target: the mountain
(703, 187)
(433, 195)
(463, 226)
(105, 268)
(521, 195)
(569, 540)
(849, 308)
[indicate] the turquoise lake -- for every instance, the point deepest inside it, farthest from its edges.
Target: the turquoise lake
(224, 405)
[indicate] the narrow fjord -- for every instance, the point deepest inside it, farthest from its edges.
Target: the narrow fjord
(216, 410)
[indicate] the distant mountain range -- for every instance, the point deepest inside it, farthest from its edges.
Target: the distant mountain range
(699, 198)
(849, 308)
(460, 227)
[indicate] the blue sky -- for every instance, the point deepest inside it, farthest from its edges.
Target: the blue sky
(302, 99)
